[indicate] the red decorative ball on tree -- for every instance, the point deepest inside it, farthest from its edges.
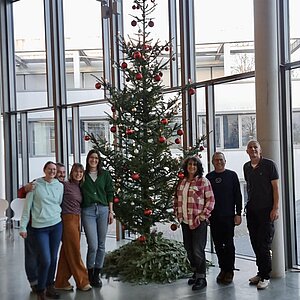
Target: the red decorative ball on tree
(157, 77)
(113, 109)
(151, 23)
(164, 121)
(201, 148)
(133, 23)
(180, 175)
(137, 55)
(98, 85)
(177, 141)
(124, 65)
(167, 48)
(174, 227)
(129, 131)
(87, 138)
(162, 139)
(116, 200)
(180, 132)
(135, 176)
(192, 91)
(147, 212)
(139, 76)
(113, 129)
(142, 239)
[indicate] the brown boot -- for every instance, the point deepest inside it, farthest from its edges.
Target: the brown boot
(40, 295)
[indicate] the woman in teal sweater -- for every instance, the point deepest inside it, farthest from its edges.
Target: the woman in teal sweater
(43, 204)
(97, 213)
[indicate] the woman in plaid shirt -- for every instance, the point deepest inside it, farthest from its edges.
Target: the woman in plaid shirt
(193, 203)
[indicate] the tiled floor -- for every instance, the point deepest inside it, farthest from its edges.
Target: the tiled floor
(14, 286)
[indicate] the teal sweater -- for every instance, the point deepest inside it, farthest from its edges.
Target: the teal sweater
(101, 191)
(44, 204)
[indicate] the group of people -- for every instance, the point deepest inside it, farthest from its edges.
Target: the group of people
(216, 200)
(53, 213)
(55, 208)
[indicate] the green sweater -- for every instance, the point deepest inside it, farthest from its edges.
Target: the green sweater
(101, 191)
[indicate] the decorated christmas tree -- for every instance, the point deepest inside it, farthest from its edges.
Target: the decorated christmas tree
(142, 120)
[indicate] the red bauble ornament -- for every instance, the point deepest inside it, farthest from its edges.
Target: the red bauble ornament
(133, 7)
(164, 121)
(98, 85)
(139, 76)
(151, 23)
(87, 138)
(157, 77)
(124, 65)
(129, 131)
(180, 132)
(166, 48)
(135, 176)
(116, 200)
(113, 129)
(173, 227)
(180, 175)
(113, 109)
(192, 91)
(201, 148)
(177, 141)
(162, 139)
(137, 55)
(147, 212)
(142, 239)
(133, 23)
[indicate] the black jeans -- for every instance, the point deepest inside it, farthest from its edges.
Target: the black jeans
(222, 230)
(194, 241)
(261, 232)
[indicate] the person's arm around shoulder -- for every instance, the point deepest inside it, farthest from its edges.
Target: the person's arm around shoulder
(274, 215)
(209, 200)
(26, 215)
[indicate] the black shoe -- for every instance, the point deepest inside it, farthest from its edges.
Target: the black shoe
(51, 292)
(199, 284)
(228, 277)
(192, 280)
(96, 281)
(220, 277)
(34, 288)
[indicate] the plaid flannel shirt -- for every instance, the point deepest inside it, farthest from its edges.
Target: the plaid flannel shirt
(200, 201)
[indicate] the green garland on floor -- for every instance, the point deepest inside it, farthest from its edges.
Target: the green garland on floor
(150, 259)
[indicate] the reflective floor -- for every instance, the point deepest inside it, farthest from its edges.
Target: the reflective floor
(14, 286)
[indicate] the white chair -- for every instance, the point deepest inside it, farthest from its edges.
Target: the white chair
(3, 207)
(17, 206)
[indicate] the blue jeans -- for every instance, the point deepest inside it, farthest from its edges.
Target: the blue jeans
(47, 242)
(31, 261)
(95, 224)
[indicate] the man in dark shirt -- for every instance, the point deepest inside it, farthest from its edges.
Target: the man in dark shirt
(262, 209)
(226, 214)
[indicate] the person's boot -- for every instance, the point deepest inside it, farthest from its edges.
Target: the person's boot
(51, 292)
(96, 278)
(40, 295)
(91, 276)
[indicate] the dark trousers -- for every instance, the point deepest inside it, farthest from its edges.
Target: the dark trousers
(222, 230)
(47, 242)
(261, 232)
(194, 241)
(31, 261)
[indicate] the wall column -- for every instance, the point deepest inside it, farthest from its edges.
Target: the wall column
(267, 104)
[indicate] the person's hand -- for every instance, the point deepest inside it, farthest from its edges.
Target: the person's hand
(110, 217)
(29, 187)
(237, 220)
(274, 214)
(23, 234)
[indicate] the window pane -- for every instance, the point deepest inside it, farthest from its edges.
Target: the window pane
(294, 8)
(83, 49)
(231, 130)
(30, 55)
(248, 129)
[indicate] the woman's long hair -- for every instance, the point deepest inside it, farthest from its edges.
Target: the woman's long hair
(75, 167)
(87, 166)
(196, 159)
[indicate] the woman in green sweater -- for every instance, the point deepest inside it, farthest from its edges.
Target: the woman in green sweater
(97, 213)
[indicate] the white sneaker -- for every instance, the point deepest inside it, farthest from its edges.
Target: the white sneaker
(262, 284)
(254, 280)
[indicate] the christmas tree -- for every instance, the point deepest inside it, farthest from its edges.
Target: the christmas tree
(144, 169)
